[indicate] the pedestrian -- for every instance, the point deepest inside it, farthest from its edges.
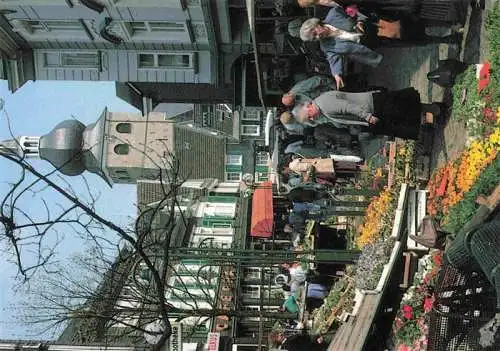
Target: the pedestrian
(307, 90)
(290, 124)
(354, 35)
(291, 305)
(323, 169)
(397, 113)
(298, 275)
(317, 291)
(297, 342)
(338, 39)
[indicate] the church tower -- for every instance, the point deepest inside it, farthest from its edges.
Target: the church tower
(24, 145)
(118, 147)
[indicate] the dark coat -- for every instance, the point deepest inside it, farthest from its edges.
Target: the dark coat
(302, 342)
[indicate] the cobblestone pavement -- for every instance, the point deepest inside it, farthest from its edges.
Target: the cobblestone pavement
(408, 66)
(404, 67)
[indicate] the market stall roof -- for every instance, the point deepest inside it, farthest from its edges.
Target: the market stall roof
(250, 4)
(262, 211)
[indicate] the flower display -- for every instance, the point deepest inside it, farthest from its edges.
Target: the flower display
(376, 218)
(450, 182)
(407, 312)
(410, 325)
(371, 263)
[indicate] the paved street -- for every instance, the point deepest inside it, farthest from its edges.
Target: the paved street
(408, 66)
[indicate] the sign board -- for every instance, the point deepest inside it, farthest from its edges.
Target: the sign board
(213, 340)
(175, 340)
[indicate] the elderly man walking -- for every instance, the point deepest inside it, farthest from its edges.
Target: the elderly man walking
(338, 38)
(397, 113)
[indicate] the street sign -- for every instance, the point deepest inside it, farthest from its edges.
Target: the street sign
(213, 341)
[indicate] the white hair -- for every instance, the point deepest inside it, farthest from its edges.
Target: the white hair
(307, 29)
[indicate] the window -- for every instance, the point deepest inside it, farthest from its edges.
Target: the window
(197, 184)
(152, 27)
(223, 112)
(233, 159)
(261, 177)
(252, 115)
(174, 60)
(261, 159)
(71, 60)
(49, 29)
(152, 60)
(251, 273)
(252, 292)
(218, 209)
(150, 30)
(233, 176)
(53, 26)
(252, 130)
(121, 149)
(124, 128)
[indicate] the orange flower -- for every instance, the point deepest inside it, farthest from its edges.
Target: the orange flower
(461, 174)
(375, 215)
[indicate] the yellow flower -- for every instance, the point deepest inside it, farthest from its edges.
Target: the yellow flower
(374, 219)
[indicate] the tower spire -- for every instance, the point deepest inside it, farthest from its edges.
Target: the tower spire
(23, 146)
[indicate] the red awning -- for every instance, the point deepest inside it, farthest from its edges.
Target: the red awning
(262, 211)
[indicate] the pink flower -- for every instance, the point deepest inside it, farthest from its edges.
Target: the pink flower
(489, 114)
(399, 323)
(351, 11)
(407, 312)
(403, 347)
(421, 324)
(428, 302)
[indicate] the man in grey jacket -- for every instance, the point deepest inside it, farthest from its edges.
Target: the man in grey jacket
(396, 113)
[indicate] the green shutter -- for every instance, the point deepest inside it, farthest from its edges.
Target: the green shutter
(217, 221)
(233, 168)
(263, 169)
(219, 198)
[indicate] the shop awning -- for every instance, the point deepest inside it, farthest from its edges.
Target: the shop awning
(262, 211)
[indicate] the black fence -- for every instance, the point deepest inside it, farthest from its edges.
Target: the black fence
(465, 302)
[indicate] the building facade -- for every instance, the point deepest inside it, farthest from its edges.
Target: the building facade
(244, 129)
(171, 50)
(125, 147)
(196, 51)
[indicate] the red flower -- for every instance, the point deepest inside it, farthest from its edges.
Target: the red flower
(407, 312)
(442, 185)
(399, 323)
(437, 259)
(484, 76)
(489, 114)
(428, 302)
(403, 347)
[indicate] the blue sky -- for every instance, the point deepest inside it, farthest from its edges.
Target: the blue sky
(34, 110)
